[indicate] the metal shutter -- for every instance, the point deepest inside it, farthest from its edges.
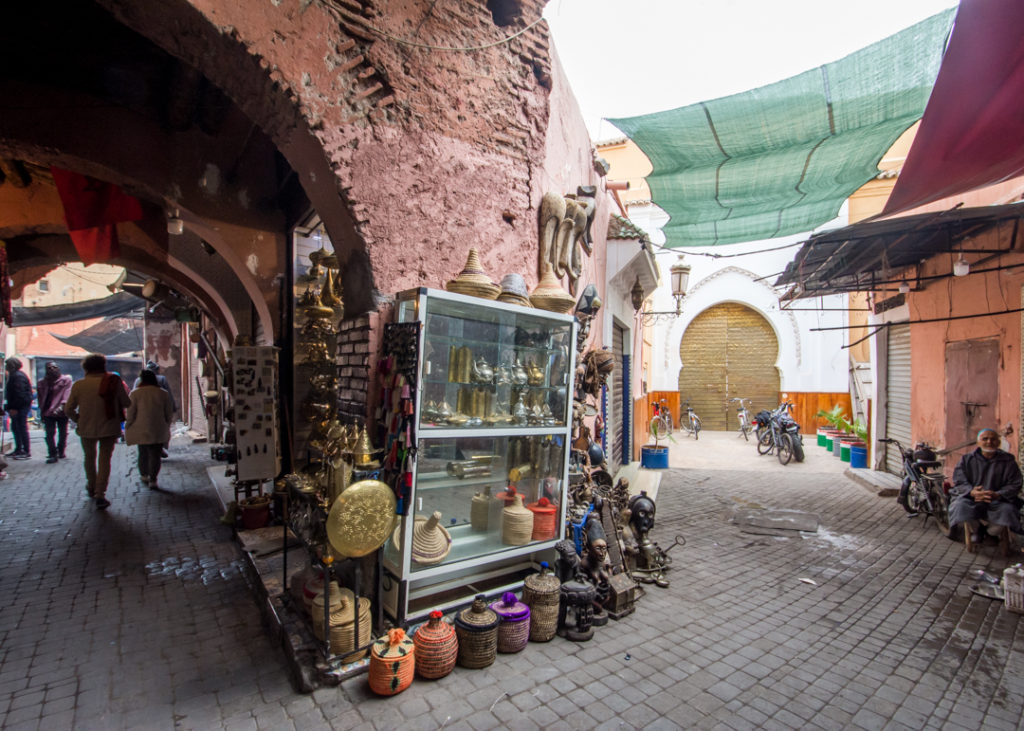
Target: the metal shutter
(618, 410)
(897, 393)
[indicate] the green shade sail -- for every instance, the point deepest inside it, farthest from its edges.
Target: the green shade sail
(781, 159)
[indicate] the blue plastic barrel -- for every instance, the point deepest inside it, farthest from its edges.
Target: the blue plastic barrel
(858, 456)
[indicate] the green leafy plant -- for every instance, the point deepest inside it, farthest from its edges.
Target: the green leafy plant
(860, 430)
(656, 425)
(835, 417)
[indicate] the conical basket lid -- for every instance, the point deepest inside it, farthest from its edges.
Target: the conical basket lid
(477, 617)
(473, 280)
(430, 541)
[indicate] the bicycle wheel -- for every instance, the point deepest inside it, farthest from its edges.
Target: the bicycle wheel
(655, 428)
(785, 450)
(764, 442)
(669, 424)
(695, 423)
(745, 430)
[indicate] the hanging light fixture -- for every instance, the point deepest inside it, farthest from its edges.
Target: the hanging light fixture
(175, 225)
(680, 280)
(904, 287)
(960, 267)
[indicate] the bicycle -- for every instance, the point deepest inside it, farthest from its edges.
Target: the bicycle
(661, 423)
(744, 417)
(692, 423)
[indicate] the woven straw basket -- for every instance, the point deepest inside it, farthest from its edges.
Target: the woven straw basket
(541, 592)
(514, 630)
(516, 523)
(437, 646)
(477, 630)
(392, 663)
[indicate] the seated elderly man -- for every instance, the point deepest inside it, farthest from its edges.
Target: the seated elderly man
(986, 486)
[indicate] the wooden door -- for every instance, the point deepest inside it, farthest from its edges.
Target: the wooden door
(728, 351)
(972, 388)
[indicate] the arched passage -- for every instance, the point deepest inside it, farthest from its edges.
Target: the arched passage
(728, 351)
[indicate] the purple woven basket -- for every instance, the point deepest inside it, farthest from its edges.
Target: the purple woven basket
(514, 629)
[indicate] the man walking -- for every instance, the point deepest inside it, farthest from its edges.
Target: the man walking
(19, 403)
(96, 404)
(53, 392)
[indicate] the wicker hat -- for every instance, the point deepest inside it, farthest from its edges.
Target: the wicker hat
(514, 291)
(473, 280)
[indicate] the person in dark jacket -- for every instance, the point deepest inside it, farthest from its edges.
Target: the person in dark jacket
(986, 486)
(19, 403)
(53, 392)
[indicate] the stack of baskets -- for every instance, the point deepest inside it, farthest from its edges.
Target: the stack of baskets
(514, 629)
(436, 647)
(342, 609)
(392, 663)
(541, 593)
(516, 523)
(477, 630)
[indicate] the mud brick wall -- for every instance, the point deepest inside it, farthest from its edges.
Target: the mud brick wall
(358, 343)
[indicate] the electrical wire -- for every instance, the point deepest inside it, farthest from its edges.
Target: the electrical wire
(359, 20)
(711, 255)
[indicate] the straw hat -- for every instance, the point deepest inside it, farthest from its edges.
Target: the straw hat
(473, 280)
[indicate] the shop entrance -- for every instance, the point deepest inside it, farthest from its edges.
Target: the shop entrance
(728, 351)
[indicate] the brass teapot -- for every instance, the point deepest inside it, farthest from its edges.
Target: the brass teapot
(482, 372)
(534, 375)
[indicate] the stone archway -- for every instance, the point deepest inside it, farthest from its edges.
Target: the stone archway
(728, 351)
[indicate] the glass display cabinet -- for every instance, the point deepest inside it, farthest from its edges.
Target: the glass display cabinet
(492, 422)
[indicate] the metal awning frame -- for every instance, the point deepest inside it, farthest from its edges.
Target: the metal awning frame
(875, 255)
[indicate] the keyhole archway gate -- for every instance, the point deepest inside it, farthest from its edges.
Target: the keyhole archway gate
(728, 351)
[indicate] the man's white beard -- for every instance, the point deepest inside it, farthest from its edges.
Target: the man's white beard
(988, 451)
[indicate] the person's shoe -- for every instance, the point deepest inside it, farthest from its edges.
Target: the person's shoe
(51, 460)
(164, 454)
(62, 456)
(23, 455)
(102, 503)
(153, 485)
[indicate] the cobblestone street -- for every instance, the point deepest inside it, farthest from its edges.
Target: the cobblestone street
(140, 618)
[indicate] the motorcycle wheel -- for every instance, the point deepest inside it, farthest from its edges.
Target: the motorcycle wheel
(941, 515)
(798, 449)
(785, 450)
(764, 442)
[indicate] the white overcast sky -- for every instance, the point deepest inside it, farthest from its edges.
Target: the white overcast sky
(629, 57)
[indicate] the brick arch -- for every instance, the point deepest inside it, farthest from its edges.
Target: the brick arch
(729, 350)
(293, 69)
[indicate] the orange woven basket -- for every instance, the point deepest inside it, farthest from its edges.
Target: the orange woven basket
(392, 663)
(436, 647)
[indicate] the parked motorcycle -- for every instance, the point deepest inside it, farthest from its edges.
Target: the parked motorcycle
(923, 491)
(777, 431)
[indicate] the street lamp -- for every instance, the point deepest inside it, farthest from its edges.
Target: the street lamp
(680, 280)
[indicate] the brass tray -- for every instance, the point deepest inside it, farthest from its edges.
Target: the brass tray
(361, 518)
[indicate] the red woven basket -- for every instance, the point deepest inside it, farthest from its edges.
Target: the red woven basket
(545, 519)
(436, 647)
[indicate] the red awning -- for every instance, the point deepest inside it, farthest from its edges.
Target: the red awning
(972, 132)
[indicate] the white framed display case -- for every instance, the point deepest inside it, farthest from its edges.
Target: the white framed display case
(492, 401)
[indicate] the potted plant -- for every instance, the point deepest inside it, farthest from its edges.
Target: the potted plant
(654, 456)
(836, 420)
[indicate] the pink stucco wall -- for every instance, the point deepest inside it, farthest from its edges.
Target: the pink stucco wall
(976, 293)
(410, 155)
